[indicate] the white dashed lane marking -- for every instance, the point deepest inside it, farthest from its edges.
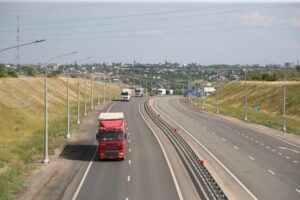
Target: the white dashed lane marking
(251, 157)
(297, 190)
(295, 161)
(129, 150)
(236, 147)
(128, 178)
(273, 173)
(224, 139)
(129, 162)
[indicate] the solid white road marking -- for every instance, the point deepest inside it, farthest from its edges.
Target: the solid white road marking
(128, 178)
(285, 148)
(236, 147)
(273, 173)
(84, 177)
(166, 157)
(251, 157)
(213, 156)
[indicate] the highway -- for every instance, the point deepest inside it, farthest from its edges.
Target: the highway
(264, 166)
(144, 174)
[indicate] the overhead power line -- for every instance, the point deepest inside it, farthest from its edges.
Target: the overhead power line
(148, 20)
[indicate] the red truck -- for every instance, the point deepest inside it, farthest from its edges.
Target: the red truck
(111, 136)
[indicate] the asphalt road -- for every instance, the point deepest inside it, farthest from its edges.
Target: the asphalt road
(144, 174)
(268, 167)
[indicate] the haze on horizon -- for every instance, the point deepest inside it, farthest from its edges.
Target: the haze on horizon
(206, 33)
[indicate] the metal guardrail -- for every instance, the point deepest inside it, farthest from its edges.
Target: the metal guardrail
(204, 183)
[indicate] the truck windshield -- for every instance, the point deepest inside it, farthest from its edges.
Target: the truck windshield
(110, 136)
(124, 93)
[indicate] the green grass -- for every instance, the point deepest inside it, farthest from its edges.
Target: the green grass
(266, 95)
(22, 121)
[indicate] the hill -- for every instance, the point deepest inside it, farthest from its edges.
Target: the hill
(264, 101)
(22, 122)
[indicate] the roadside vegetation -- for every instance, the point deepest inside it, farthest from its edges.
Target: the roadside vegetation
(22, 123)
(264, 103)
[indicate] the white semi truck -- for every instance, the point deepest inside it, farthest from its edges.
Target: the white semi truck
(139, 92)
(126, 94)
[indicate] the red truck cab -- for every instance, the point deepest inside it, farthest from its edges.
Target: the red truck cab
(111, 136)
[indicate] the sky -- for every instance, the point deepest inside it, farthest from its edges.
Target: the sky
(219, 32)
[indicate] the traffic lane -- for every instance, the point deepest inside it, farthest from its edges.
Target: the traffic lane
(285, 149)
(106, 179)
(215, 143)
(151, 177)
(258, 145)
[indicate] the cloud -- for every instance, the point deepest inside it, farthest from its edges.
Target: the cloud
(257, 19)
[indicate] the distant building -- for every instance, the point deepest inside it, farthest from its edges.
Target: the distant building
(289, 65)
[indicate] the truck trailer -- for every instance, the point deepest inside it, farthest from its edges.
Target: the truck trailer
(126, 94)
(139, 92)
(111, 136)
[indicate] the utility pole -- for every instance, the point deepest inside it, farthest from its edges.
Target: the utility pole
(245, 100)
(18, 40)
(284, 96)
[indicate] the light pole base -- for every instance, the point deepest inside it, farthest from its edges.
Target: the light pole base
(85, 114)
(284, 128)
(78, 122)
(68, 136)
(46, 160)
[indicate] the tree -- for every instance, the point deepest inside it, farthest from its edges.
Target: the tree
(3, 72)
(30, 71)
(298, 68)
(12, 72)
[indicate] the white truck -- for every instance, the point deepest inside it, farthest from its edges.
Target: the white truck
(161, 92)
(126, 94)
(139, 92)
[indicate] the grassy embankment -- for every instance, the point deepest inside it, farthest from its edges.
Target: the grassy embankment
(268, 96)
(22, 118)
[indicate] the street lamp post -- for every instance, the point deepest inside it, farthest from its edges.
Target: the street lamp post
(284, 97)
(110, 88)
(85, 114)
(46, 154)
(98, 88)
(104, 88)
(17, 46)
(217, 104)
(202, 92)
(92, 94)
(78, 91)
(245, 100)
